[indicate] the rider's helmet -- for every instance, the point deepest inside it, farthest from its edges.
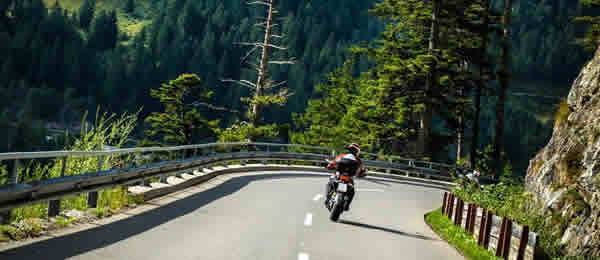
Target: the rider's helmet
(354, 148)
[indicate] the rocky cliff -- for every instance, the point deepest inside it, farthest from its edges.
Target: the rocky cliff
(565, 175)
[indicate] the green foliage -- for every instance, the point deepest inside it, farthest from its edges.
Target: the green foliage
(101, 212)
(62, 222)
(244, 132)
(108, 129)
(12, 232)
(456, 236)
(321, 123)
(548, 51)
(129, 6)
(592, 35)
(86, 13)
(510, 199)
(181, 122)
(562, 114)
(104, 31)
(382, 107)
(31, 227)
(52, 67)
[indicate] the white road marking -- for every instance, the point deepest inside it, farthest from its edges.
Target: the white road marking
(303, 256)
(308, 219)
(374, 190)
(317, 197)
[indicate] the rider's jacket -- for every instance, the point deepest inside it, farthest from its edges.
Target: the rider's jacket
(347, 164)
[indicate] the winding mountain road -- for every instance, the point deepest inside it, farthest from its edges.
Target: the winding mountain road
(261, 215)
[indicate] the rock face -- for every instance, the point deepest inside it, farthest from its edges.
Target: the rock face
(565, 175)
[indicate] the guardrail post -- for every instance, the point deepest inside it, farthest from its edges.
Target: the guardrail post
(54, 205)
(162, 179)
(523, 242)
(388, 170)
(500, 244)
(13, 178)
(482, 223)
(451, 206)
(468, 217)
(92, 200)
(14, 173)
(460, 209)
(507, 239)
(488, 229)
(444, 202)
(471, 227)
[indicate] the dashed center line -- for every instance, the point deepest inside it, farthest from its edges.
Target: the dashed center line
(303, 256)
(308, 219)
(317, 197)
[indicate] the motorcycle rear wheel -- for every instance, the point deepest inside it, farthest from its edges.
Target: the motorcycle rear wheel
(338, 208)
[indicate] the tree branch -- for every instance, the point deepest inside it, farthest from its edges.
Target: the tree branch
(282, 62)
(213, 107)
(259, 3)
(243, 82)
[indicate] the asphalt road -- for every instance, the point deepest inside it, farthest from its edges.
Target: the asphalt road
(263, 216)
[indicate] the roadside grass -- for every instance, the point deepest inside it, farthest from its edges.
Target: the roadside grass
(510, 199)
(32, 220)
(456, 236)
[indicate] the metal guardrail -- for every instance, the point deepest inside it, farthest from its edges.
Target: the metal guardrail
(150, 162)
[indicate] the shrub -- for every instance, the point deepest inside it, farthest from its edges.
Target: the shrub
(106, 130)
(510, 199)
(31, 227)
(562, 114)
(101, 212)
(11, 232)
(62, 222)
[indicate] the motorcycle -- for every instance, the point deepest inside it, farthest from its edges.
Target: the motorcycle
(339, 198)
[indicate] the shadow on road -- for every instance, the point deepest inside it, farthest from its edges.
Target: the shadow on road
(102, 236)
(389, 230)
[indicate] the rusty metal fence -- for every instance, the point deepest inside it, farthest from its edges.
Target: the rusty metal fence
(500, 235)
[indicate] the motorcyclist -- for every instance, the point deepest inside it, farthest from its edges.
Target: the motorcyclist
(345, 164)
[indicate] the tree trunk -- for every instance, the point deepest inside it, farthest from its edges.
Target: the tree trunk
(459, 137)
(503, 76)
(480, 85)
(263, 70)
(427, 113)
(461, 114)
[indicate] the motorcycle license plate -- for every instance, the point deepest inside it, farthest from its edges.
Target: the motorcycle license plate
(342, 187)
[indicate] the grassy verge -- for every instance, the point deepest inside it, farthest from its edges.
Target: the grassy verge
(456, 236)
(32, 220)
(510, 199)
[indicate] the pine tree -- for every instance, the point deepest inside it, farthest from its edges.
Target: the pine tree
(592, 36)
(262, 91)
(181, 122)
(129, 6)
(86, 13)
(104, 32)
(503, 76)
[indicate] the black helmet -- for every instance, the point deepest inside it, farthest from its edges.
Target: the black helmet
(354, 148)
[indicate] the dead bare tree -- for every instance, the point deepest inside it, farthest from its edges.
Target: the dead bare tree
(264, 91)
